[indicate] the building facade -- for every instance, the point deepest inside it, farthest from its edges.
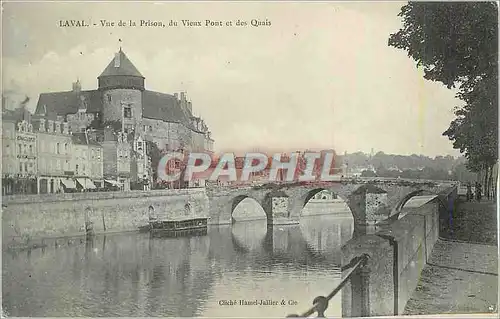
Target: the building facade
(10, 166)
(87, 162)
(54, 154)
(116, 161)
(26, 154)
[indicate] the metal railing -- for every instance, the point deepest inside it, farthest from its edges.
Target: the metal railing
(320, 303)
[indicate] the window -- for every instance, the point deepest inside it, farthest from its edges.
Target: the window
(57, 148)
(66, 167)
(66, 148)
(83, 169)
(21, 167)
(76, 168)
(109, 98)
(127, 112)
(31, 149)
(25, 167)
(20, 149)
(150, 128)
(82, 130)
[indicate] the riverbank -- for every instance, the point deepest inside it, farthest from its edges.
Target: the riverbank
(461, 275)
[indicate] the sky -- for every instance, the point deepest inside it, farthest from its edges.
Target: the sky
(320, 76)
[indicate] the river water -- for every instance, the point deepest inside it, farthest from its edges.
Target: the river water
(135, 275)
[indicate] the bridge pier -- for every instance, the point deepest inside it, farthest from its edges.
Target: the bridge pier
(369, 205)
(277, 207)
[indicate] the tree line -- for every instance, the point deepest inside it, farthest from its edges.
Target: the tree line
(456, 43)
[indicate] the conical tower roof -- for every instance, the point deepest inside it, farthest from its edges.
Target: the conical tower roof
(120, 65)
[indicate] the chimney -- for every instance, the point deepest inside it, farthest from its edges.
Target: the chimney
(77, 87)
(41, 128)
(183, 96)
(65, 128)
(117, 60)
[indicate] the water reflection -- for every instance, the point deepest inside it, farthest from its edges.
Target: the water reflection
(135, 275)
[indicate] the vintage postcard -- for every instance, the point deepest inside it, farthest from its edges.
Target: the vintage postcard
(249, 159)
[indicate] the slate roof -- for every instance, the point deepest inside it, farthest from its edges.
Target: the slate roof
(9, 115)
(155, 105)
(125, 67)
(63, 103)
(161, 106)
(16, 115)
(79, 138)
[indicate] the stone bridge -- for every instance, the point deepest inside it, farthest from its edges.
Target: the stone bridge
(370, 201)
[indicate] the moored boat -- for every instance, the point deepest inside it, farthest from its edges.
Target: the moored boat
(178, 227)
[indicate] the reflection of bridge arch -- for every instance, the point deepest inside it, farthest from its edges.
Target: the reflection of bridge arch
(284, 246)
(249, 237)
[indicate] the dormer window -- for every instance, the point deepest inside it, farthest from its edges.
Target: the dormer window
(127, 112)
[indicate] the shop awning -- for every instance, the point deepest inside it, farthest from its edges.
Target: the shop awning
(114, 183)
(68, 183)
(86, 183)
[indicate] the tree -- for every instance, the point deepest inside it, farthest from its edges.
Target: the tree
(367, 173)
(456, 44)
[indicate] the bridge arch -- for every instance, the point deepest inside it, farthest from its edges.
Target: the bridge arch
(237, 200)
(396, 210)
(304, 199)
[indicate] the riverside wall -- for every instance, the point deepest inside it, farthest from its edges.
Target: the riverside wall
(397, 255)
(30, 219)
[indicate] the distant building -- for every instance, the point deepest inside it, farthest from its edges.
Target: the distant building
(324, 195)
(54, 154)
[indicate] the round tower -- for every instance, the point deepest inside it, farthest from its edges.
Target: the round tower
(121, 86)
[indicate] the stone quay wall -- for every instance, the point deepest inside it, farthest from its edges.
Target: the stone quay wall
(397, 255)
(38, 217)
